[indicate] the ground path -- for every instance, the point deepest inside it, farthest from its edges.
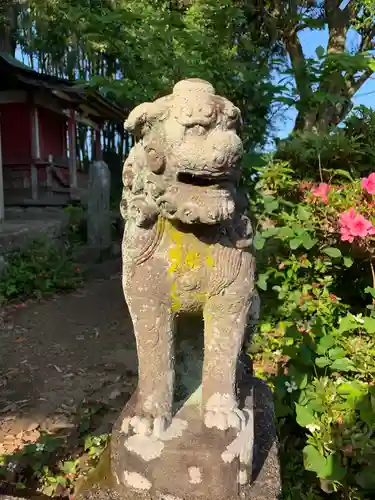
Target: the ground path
(56, 353)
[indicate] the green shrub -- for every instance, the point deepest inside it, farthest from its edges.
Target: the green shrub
(349, 148)
(316, 343)
(76, 229)
(38, 270)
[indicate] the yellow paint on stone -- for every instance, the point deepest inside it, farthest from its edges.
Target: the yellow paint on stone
(187, 254)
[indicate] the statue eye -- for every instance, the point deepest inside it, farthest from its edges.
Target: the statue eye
(207, 111)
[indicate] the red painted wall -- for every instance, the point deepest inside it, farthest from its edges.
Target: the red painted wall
(51, 133)
(15, 132)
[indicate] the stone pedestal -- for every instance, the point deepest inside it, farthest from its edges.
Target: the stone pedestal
(191, 462)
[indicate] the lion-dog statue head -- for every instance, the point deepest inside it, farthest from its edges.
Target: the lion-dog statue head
(184, 165)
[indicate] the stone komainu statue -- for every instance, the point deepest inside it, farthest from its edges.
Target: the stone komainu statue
(186, 248)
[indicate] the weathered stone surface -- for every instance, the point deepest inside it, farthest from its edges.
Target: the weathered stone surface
(17, 232)
(191, 465)
(98, 205)
(188, 431)
(187, 244)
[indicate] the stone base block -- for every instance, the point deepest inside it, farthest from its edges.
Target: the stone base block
(196, 463)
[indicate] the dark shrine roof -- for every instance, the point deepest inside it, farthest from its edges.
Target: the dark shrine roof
(14, 75)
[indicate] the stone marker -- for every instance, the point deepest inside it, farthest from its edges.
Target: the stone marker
(3, 264)
(199, 426)
(98, 206)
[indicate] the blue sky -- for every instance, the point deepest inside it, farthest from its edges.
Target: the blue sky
(310, 40)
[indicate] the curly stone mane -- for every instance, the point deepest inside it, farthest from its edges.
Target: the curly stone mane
(184, 164)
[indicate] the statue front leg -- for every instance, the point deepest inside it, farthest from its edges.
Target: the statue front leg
(225, 318)
(153, 328)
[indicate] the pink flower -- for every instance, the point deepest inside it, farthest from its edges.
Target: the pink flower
(368, 183)
(346, 218)
(321, 191)
(346, 235)
(360, 226)
(354, 225)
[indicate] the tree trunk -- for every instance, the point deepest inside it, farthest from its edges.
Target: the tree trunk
(8, 26)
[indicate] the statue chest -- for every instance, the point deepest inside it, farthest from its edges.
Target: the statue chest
(179, 264)
(195, 269)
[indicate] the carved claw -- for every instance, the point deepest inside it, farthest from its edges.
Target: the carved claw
(146, 426)
(223, 413)
(143, 212)
(167, 206)
(188, 214)
(225, 419)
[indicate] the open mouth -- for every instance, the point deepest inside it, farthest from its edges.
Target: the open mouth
(199, 180)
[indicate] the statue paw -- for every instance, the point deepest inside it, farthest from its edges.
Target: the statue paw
(223, 413)
(145, 425)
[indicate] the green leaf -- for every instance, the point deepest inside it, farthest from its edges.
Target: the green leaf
(307, 241)
(343, 173)
(366, 478)
(270, 231)
(295, 243)
(332, 252)
(347, 324)
(62, 480)
(259, 242)
(314, 461)
(319, 51)
(336, 353)
(270, 204)
(342, 365)
(304, 416)
(303, 213)
(305, 355)
(262, 281)
(322, 362)
(325, 343)
(370, 290)
(285, 100)
(348, 262)
(369, 325)
(302, 381)
(286, 232)
(333, 469)
(298, 376)
(70, 466)
(353, 389)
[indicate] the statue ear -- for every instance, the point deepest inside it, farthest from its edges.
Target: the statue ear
(138, 121)
(142, 118)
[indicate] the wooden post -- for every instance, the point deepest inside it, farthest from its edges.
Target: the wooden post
(98, 146)
(2, 211)
(49, 174)
(72, 150)
(35, 150)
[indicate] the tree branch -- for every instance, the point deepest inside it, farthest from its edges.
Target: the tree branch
(297, 58)
(338, 25)
(353, 86)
